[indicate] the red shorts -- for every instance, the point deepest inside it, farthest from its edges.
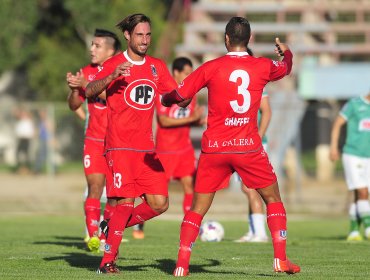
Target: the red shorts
(214, 171)
(133, 174)
(94, 160)
(178, 165)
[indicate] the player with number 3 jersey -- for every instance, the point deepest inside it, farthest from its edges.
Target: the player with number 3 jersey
(231, 142)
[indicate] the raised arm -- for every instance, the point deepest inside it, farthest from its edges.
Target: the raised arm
(75, 84)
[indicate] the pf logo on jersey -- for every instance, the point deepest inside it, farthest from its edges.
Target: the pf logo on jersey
(140, 94)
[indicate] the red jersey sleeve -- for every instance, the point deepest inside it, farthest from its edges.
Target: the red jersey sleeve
(107, 68)
(166, 81)
(193, 83)
(279, 69)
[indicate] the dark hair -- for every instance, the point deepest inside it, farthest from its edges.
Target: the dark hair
(129, 23)
(108, 34)
(249, 51)
(180, 62)
(239, 31)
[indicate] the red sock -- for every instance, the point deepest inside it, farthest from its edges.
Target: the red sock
(189, 232)
(186, 203)
(276, 221)
(116, 228)
(141, 213)
(92, 215)
(108, 211)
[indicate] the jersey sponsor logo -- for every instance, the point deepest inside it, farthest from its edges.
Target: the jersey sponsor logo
(364, 125)
(90, 77)
(278, 63)
(154, 71)
(140, 94)
(231, 143)
(179, 113)
(236, 121)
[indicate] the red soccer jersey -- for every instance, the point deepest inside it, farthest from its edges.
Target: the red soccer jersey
(130, 101)
(173, 139)
(235, 84)
(97, 122)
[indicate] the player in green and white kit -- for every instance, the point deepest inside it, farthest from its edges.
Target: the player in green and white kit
(356, 160)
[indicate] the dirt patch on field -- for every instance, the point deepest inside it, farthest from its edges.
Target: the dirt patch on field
(63, 194)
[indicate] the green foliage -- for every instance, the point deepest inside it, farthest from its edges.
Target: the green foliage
(51, 247)
(18, 20)
(48, 38)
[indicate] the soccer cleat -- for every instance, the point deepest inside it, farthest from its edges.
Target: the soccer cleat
(138, 234)
(367, 233)
(138, 231)
(180, 272)
(245, 238)
(259, 239)
(93, 244)
(354, 236)
(285, 266)
(108, 268)
(249, 237)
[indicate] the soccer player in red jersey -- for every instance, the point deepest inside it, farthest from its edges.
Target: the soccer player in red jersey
(103, 46)
(131, 80)
(173, 143)
(231, 142)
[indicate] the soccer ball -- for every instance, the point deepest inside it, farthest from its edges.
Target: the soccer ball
(211, 231)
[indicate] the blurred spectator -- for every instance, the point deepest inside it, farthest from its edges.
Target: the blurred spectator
(44, 137)
(24, 132)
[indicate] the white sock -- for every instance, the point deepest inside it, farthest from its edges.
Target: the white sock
(363, 207)
(259, 221)
(251, 228)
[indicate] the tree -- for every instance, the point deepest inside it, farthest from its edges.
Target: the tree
(47, 38)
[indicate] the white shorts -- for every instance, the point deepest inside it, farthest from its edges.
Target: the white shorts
(356, 171)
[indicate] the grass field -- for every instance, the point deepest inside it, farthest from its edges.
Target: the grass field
(48, 247)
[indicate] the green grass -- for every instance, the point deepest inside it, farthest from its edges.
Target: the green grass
(49, 247)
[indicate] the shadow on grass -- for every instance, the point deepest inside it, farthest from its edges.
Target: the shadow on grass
(79, 260)
(66, 241)
(168, 266)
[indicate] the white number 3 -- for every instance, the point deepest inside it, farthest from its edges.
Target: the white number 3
(242, 89)
(117, 177)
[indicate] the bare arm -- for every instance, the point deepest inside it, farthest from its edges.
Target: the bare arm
(335, 133)
(96, 87)
(265, 116)
(166, 121)
(80, 112)
(74, 100)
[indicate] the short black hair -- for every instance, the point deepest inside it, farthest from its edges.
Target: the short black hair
(180, 62)
(239, 31)
(109, 34)
(129, 23)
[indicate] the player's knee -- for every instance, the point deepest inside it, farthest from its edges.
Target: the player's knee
(160, 205)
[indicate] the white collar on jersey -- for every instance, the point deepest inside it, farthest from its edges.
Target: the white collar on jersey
(133, 61)
(237, 53)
